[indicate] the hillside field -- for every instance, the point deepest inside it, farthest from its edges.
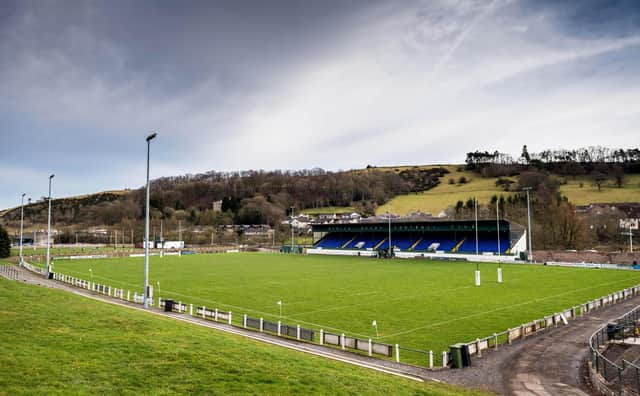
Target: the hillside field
(417, 303)
(55, 342)
(445, 195)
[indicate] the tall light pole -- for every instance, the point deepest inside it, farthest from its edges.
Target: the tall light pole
(389, 224)
(49, 232)
(146, 229)
(527, 189)
(292, 208)
(475, 204)
(21, 223)
(499, 250)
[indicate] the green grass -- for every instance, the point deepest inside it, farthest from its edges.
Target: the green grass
(417, 303)
(56, 342)
(630, 191)
(329, 210)
(444, 195)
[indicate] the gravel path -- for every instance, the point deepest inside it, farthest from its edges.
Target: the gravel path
(551, 363)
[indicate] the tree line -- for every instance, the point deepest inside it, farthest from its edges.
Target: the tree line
(247, 197)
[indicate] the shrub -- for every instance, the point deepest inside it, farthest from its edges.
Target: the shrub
(5, 243)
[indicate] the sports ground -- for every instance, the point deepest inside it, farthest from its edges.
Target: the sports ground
(419, 304)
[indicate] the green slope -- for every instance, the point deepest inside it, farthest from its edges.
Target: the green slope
(54, 342)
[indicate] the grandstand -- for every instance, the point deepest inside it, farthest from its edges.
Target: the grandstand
(420, 238)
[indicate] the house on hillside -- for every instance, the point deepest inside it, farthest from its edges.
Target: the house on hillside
(627, 213)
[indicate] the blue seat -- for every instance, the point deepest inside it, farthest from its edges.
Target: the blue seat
(333, 241)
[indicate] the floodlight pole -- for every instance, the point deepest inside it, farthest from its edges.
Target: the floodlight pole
(292, 208)
(499, 250)
(49, 232)
(389, 218)
(21, 224)
(475, 204)
(146, 229)
(527, 189)
(630, 239)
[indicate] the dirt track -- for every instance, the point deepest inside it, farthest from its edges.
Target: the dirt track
(551, 363)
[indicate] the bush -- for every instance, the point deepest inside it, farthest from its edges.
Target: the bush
(452, 181)
(5, 243)
(462, 180)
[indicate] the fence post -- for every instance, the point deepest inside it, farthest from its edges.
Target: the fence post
(342, 341)
(444, 358)
(244, 321)
(204, 312)
(191, 309)
(430, 359)
(298, 332)
(522, 332)
(229, 317)
(321, 337)
(370, 347)
(215, 314)
(397, 353)
(128, 294)
(261, 325)
(495, 341)
(159, 302)
(280, 331)
(509, 336)
(478, 351)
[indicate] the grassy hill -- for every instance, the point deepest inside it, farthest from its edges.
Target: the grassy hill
(74, 203)
(444, 195)
(630, 191)
(61, 343)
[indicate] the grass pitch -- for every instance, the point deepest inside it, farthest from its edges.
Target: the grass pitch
(54, 342)
(416, 303)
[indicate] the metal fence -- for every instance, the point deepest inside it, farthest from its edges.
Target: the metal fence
(9, 271)
(476, 347)
(621, 376)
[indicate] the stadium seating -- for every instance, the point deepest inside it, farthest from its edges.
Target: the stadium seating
(486, 244)
(403, 242)
(333, 241)
(365, 241)
(446, 242)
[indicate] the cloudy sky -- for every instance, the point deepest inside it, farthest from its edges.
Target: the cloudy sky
(300, 84)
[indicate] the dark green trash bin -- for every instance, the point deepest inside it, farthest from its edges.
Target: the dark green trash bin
(459, 355)
(168, 305)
